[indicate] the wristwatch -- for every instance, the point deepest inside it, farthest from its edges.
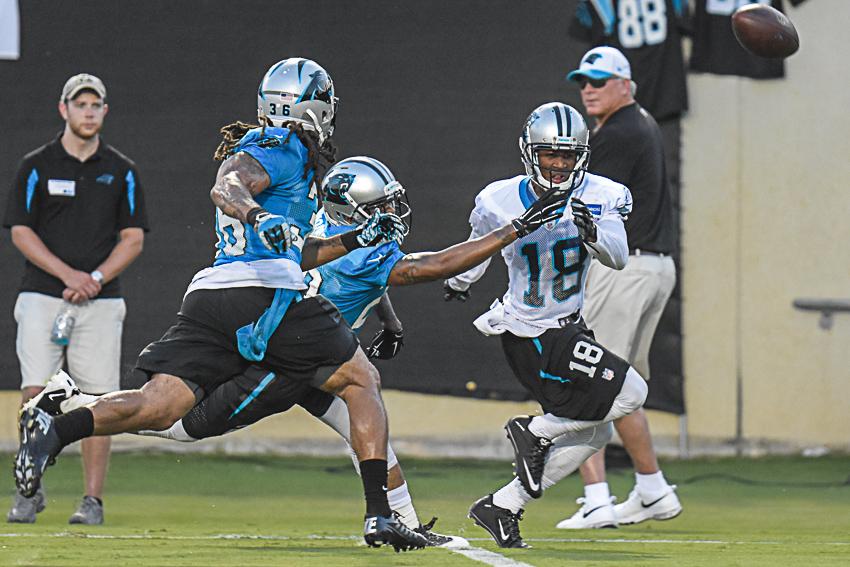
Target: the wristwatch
(97, 276)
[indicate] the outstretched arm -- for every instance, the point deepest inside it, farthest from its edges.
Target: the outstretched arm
(380, 228)
(428, 266)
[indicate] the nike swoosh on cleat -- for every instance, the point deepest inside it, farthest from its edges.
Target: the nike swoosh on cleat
(502, 531)
(55, 395)
(653, 503)
(589, 512)
(535, 486)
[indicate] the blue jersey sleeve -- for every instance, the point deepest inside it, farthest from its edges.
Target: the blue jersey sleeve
(281, 155)
(371, 266)
(356, 282)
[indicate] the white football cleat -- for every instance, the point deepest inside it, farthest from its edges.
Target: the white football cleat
(636, 509)
(591, 516)
(59, 388)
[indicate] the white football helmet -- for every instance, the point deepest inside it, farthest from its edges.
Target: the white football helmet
(298, 90)
(356, 187)
(555, 126)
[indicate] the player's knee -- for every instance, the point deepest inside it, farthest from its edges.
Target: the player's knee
(164, 400)
(602, 435)
(635, 390)
(365, 375)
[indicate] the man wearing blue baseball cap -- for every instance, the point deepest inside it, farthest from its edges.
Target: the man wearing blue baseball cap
(624, 307)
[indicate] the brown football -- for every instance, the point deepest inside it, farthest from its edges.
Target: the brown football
(765, 31)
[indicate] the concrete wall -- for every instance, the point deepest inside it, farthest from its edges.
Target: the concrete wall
(765, 203)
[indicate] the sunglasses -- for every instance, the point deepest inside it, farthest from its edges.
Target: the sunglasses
(595, 83)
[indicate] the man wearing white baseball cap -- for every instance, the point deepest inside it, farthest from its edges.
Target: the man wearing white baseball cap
(79, 83)
(76, 213)
(624, 307)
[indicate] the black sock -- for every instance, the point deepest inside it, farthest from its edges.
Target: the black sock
(98, 500)
(374, 475)
(74, 425)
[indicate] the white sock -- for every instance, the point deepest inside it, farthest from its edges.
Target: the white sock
(77, 401)
(512, 496)
(597, 493)
(176, 433)
(651, 486)
(401, 502)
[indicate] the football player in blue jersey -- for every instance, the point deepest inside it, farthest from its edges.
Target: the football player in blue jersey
(354, 190)
(249, 305)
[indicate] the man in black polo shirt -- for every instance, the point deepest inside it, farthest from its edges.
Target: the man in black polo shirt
(623, 307)
(78, 216)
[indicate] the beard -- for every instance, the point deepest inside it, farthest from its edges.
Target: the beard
(84, 134)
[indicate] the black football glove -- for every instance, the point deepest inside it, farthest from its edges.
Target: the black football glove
(385, 344)
(450, 293)
(549, 207)
(584, 220)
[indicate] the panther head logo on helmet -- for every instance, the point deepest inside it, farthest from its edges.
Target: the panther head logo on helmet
(356, 187)
(298, 90)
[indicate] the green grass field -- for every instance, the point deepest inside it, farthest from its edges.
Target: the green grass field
(181, 510)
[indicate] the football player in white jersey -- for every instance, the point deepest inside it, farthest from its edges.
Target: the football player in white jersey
(580, 385)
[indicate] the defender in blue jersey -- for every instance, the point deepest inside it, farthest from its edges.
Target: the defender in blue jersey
(249, 305)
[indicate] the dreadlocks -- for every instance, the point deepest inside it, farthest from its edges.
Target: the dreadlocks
(319, 157)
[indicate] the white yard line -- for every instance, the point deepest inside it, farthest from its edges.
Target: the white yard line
(489, 557)
(148, 536)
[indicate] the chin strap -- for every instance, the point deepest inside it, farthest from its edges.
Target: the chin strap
(316, 125)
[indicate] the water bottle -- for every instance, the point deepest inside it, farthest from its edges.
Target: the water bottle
(63, 325)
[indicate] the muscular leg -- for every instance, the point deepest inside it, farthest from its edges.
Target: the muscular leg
(157, 405)
(358, 383)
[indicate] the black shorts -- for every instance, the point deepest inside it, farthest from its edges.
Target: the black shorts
(201, 348)
(247, 398)
(567, 371)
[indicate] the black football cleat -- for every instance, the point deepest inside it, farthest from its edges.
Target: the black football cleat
(440, 540)
(388, 530)
(502, 524)
(529, 454)
(39, 445)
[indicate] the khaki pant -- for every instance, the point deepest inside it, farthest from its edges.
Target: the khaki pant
(623, 307)
(94, 352)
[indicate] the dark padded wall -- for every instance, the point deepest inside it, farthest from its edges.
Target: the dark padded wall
(437, 90)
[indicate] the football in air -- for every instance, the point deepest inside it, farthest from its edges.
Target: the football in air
(765, 31)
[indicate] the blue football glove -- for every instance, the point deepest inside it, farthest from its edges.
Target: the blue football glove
(385, 344)
(274, 231)
(380, 229)
(450, 293)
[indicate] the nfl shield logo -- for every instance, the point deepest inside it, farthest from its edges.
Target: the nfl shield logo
(608, 374)
(550, 225)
